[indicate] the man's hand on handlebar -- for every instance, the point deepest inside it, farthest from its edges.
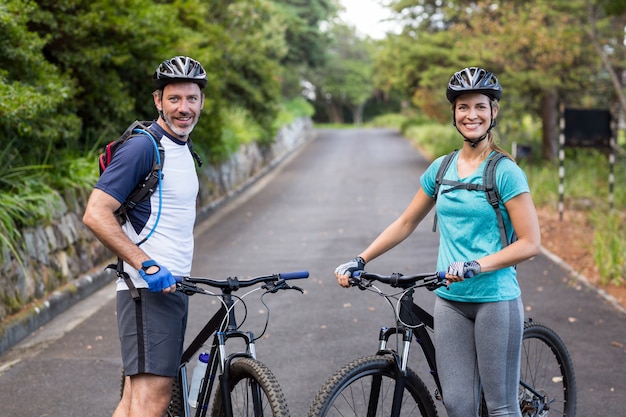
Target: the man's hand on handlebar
(158, 277)
(344, 272)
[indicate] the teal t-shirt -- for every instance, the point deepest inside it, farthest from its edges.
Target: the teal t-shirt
(468, 228)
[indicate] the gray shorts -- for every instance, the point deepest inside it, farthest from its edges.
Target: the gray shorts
(151, 331)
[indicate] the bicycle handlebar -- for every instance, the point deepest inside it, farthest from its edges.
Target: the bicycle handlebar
(234, 283)
(404, 281)
(397, 279)
(430, 280)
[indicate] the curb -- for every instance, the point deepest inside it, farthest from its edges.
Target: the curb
(583, 280)
(18, 327)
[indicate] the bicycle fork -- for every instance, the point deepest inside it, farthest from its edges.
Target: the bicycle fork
(225, 366)
(401, 361)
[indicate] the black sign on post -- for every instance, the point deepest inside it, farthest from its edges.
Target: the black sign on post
(589, 128)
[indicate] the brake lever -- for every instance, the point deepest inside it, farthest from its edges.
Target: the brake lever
(280, 284)
(187, 288)
(357, 281)
(432, 284)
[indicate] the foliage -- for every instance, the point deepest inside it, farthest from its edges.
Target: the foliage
(239, 128)
(101, 46)
(255, 45)
(609, 247)
(291, 110)
(433, 138)
(346, 80)
(36, 107)
(306, 42)
(26, 202)
(541, 51)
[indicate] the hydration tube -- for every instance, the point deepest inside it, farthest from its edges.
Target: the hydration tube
(158, 157)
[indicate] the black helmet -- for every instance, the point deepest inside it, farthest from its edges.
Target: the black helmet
(179, 68)
(473, 80)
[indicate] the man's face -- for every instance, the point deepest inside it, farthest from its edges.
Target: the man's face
(180, 106)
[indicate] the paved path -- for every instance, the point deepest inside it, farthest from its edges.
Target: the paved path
(317, 210)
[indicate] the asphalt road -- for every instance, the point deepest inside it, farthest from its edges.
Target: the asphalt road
(317, 210)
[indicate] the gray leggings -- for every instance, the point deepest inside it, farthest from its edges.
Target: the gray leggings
(479, 343)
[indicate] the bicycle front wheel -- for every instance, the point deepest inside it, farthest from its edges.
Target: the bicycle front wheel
(254, 392)
(365, 388)
(548, 384)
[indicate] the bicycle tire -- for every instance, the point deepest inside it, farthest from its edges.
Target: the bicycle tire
(246, 375)
(344, 393)
(547, 367)
(176, 407)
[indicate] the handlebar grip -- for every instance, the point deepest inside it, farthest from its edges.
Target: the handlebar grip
(294, 275)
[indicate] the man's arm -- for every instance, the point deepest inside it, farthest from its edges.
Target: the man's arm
(99, 218)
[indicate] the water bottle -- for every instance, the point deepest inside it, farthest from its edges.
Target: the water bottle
(197, 377)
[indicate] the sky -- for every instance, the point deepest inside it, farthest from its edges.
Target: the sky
(366, 16)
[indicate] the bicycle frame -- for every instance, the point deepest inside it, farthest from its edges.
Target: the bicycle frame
(218, 357)
(420, 321)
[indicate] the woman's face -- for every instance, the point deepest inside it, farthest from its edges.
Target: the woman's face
(473, 115)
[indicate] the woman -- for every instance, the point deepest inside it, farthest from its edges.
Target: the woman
(478, 320)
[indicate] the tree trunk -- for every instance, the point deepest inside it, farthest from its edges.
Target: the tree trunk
(334, 112)
(357, 114)
(550, 122)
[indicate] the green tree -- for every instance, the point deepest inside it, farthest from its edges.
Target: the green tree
(36, 98)
(108, 48)
(307, 43)
(250, 59)
(346, 81)
(540, 50)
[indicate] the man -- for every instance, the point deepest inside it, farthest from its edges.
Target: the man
(152, 325)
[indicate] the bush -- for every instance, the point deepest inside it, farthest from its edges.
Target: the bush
(609, 247)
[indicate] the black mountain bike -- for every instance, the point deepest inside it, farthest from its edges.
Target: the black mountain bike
(246, 387)
(384, 386)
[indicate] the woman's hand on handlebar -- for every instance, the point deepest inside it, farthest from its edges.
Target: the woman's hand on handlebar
(459, 271)
(345, 271)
